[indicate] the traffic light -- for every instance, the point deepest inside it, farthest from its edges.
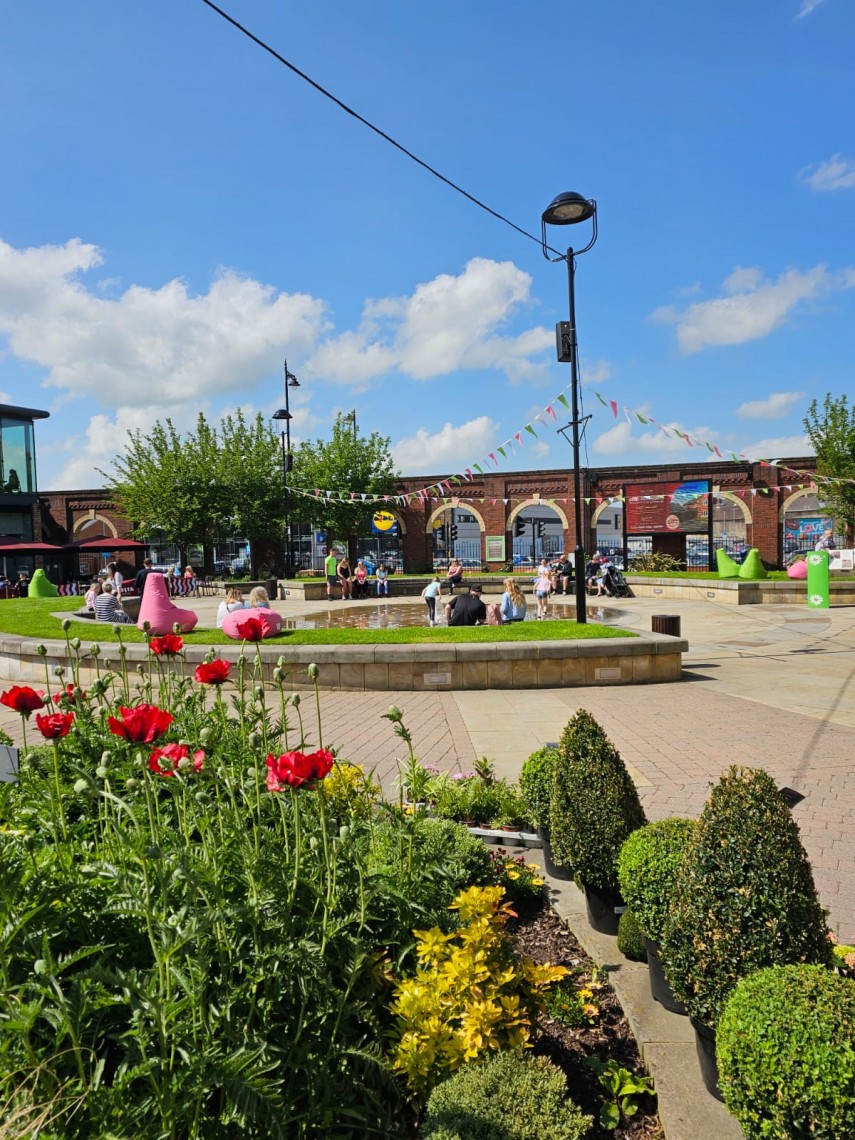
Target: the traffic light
(541, 530)
(453, 532)
(519, 527)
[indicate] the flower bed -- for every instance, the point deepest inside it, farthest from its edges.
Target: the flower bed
(214, 926)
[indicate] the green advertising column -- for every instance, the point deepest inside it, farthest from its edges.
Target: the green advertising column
(817, 580)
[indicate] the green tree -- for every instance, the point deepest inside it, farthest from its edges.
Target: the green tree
(215, 482)
(348, 462)
(250, 471)
(831, 430)
(162, 484)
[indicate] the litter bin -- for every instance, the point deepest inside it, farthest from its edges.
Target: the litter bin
(666, 623)
(271, 586)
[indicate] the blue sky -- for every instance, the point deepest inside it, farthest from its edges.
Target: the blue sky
(179, 213)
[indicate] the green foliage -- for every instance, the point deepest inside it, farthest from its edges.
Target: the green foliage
(654, 563)
(211, 483)
(621, 1090)
(348, 460)
(744, 896)
(831, 431)
(647, 867)
(572, 1004)
(594, 804)
(629, 938)
(521, 881)
(491, 803)
(429, 861)
(536, 779)
(509, 1097)
(786, 1054)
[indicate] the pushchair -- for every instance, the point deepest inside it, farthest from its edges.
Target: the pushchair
(615, 583)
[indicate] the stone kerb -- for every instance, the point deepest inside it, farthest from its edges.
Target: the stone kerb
(736, 592)
(645, 659)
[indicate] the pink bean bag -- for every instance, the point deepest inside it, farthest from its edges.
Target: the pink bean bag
(252, 625)
(798, 569)
(158, 610)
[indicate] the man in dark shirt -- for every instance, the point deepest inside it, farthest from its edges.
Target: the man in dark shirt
(139, 581)
(466, 609)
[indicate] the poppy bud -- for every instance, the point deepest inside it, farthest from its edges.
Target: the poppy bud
(313, 672)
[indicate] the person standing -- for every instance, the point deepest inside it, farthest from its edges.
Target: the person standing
(466, 609)
(344, 573)
(430, 593)
(118, 578)
(139, 581)
(382, 580)
(331, 571)
(542, 588)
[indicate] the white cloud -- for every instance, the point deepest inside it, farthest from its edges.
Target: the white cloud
(807, 7)
(774, 407)
(777, 447)
(447, 324)
(836, 173)
(146, 345)
(450, 449)
(619, 441)
(753, 308)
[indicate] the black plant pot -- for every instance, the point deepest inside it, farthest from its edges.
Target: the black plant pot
(554, 870)
(705, 1044)
(601, 909)
(660, 987)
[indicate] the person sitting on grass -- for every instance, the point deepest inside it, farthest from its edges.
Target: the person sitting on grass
(466, 609)
(108, 607)
(512, 607)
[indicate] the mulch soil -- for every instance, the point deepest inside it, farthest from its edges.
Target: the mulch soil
(542, 936)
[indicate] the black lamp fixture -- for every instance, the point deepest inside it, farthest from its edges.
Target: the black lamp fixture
(283, 415)
(568, 209)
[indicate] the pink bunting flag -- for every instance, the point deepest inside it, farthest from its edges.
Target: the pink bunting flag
(614, 407)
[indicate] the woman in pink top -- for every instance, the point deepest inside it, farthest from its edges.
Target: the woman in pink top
(360, 580)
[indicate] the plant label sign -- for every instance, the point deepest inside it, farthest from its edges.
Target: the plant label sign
(8, 764)
(817, 580)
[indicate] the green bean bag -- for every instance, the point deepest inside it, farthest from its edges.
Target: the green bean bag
(727, 568)
(752, 567)
(41, 587)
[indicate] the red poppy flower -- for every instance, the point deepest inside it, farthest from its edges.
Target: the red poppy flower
(250, 630)
(22, 699)
(67, 695)
(141, 724)
(164, 761)
(296, 769)
(166, 646)
(213, 672)
(54, 726)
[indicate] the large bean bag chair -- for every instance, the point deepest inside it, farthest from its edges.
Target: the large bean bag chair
(41, 587)
(797, 569)
(752, 567)
(727, 568)
(159, 612)
(252, 625)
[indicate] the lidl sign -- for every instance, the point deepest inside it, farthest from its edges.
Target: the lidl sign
(384, 522)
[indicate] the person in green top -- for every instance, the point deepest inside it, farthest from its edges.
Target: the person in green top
(331, 571)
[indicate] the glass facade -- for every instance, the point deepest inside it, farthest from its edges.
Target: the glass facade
(17, 457)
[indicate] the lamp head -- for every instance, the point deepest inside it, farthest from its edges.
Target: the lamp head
(281, 414)
(291, 380)
(569, 208)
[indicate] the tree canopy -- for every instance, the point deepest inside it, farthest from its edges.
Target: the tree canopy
(215, 482)
(347, 462)
(831, 430)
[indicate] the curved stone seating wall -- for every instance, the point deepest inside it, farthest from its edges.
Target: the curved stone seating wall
(497, 665)
(735, 592)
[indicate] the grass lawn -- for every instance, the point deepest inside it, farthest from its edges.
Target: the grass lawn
(33, 618)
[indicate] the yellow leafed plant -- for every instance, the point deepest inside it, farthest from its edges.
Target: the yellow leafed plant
(470, 994)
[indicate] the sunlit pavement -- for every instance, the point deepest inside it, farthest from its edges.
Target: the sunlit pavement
(764, 686)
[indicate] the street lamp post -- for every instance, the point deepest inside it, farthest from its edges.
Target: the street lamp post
(284, 415)
(567, 210)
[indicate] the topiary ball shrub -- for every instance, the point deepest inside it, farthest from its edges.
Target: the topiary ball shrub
(744, 897)
(594, 805)
(629, 938)
(512, 1096)
(536, 778)
(786, 1054)
(647, 867)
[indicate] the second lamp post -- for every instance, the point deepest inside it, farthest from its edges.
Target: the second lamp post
(284, 415)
